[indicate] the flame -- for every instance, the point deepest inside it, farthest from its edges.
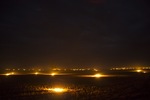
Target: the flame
(57, 90)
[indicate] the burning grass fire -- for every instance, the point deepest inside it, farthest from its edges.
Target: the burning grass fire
(57, 90)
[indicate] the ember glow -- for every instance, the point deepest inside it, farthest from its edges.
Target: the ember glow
(138, 71)
(53, 74)
(97, 75)
(57, 90)
(36, 73)
(11, 73)
(7, 74)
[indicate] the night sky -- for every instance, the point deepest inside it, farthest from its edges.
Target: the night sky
(74, 33)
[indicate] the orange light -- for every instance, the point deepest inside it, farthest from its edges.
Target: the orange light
(97, 75)
(53, 74)
(12, 73)
(138, 71)
(36, 73)
(57, 90)
(7, 74)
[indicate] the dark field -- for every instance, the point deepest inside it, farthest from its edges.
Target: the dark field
(32, 87)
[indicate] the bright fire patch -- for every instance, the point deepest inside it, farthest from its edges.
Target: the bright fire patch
(57, 90)
(97, 75)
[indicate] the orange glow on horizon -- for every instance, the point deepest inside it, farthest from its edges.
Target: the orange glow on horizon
(57, 90)
(97, 75)
(138, 71)
(53, 74)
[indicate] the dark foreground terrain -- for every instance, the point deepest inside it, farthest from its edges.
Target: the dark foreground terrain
(31, 87)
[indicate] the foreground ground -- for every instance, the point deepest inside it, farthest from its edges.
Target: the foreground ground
(31, 87)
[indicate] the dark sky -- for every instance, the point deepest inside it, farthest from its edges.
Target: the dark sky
(74, 32)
